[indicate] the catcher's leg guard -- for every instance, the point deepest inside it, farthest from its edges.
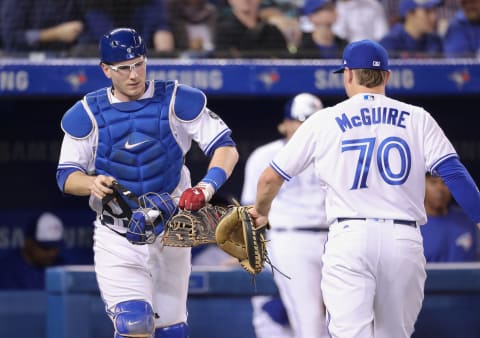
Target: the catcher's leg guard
(179, 330)
(134, 318)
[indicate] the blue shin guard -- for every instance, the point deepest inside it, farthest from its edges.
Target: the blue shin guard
(179, 330)
(134, 318)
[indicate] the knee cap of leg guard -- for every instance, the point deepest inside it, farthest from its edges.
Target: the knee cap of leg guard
(179, 330)
(134, 317)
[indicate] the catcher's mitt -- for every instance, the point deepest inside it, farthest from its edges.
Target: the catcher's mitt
(189, 229)
(236, 235)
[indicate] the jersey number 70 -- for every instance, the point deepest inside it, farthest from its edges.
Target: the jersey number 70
(366, 147)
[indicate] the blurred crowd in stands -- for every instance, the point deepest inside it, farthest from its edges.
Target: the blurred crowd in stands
(243, 28)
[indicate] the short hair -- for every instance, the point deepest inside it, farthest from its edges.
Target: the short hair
(370, 77)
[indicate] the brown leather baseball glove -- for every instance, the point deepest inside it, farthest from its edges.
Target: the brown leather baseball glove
(192, 228)
(236, 235)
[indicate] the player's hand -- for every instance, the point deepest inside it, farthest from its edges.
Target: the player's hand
(101, 186)
(259, 219)
(195, 198)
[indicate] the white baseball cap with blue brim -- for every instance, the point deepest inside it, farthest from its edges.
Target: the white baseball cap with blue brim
(47, 230)
(302, 106)
(364, 54)
(406, 6)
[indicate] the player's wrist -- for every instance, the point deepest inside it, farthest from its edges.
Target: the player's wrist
(207, 189)
(215, 177)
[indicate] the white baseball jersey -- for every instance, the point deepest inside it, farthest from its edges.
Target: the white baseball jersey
(360, 19)
(300, 202)
(297, 237)
(372, 152)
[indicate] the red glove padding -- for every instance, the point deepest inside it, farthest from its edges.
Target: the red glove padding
(192, 199)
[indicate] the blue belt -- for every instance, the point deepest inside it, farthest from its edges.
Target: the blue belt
(310, 229)
(395, 221)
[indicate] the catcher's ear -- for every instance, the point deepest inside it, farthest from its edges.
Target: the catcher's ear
(106, 70)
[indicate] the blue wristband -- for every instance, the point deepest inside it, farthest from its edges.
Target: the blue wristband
(215, 176)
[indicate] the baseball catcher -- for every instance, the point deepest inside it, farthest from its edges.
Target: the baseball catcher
(231, 228)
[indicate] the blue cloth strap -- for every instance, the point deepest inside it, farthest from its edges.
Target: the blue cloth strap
(215, 176)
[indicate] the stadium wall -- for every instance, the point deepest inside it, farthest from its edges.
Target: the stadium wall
(249, 95)
(219, 304)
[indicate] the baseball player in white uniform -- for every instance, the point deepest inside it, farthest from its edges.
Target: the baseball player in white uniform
(136, 133)
(372, 153)
(299, 231)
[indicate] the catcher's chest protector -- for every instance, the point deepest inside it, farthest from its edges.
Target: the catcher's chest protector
(135, 142)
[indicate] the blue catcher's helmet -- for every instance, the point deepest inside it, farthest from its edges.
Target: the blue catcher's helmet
(121, 44)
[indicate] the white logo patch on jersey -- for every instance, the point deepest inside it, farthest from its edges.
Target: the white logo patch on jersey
(465, 241)
(133, 145)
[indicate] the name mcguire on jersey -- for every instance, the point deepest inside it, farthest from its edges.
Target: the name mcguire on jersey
(369, 116)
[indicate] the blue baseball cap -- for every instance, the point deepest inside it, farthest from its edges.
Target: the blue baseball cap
(405, 6)
(364, 54)
(311, 6)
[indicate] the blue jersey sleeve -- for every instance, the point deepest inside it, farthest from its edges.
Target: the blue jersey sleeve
(63, 172)
(462, 186)
(224, 139)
